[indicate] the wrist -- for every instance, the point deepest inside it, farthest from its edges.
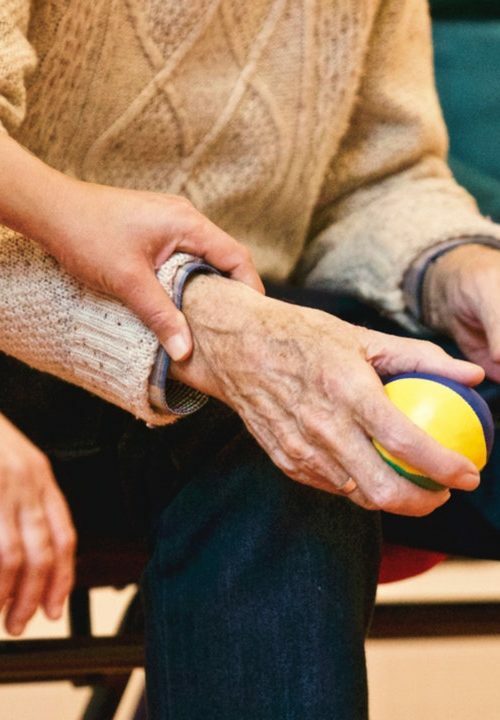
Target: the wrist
(223, 316)
(414, 278)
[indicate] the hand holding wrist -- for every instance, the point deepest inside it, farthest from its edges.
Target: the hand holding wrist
(114, 239)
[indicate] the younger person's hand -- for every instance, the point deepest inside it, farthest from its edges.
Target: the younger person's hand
(114, 239)
(37, 538)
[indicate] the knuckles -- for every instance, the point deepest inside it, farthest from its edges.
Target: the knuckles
(389, 497)
(384, 498)
(429, 348)
(183, 202)
(12, 558)
(397, 442)
(294, 450)
(65, 543)
(41, 560)
(164, 323)
(123, 280)
(243, 253)
(383, 491)
(24, 467)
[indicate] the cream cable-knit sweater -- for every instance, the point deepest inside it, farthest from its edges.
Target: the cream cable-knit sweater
(308, 129)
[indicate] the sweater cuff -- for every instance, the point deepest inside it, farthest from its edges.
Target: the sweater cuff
(165, 394)
(115, 356)
(413, 281)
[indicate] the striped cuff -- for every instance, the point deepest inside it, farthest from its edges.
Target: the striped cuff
(169, 395)
(413, 281)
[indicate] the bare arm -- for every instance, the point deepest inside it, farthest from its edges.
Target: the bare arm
(306, 384)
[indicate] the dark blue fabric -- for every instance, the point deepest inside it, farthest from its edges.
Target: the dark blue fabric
(258, 597)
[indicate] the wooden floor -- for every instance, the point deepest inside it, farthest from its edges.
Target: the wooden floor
(446, 679)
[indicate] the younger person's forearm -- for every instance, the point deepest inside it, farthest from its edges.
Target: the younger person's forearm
(32, 194)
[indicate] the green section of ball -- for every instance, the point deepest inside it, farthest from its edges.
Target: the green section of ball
(421, 480)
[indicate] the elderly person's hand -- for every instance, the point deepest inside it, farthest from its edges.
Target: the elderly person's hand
(113, 239)
(462, 299)
(307, 387)
(37, 539)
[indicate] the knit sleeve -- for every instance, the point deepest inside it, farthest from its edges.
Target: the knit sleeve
(389, 194)
(51, 322)
(17, 60)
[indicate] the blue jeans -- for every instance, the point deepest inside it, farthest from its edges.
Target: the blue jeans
(259, 591)
(258, 596)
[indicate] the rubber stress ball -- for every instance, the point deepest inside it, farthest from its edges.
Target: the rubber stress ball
(453, 414)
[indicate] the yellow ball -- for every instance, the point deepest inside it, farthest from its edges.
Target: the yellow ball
(453, 414)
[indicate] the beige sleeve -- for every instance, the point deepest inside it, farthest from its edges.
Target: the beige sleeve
(389, 194)
(51, 322)
(17, 60)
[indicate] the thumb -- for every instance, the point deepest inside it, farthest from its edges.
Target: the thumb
(150, 302)
(410, 355)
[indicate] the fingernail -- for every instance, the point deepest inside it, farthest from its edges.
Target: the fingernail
(54, 612)
(473, 479)
(177, 347)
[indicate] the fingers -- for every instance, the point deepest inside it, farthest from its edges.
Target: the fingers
(229, 256)
(381, 420)
(11, 552)
(38, 559)
(330, 445)
(37, 539)
(43, 571)
(204, 239)
(490, 317)
(380, 487)
(392, 429)
(319, 470)
(331, 456)
(391, 355)
(140, 290)
(63, 538)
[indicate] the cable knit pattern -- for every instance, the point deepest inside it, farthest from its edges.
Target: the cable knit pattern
(53, 323)
(17, 60)
(308, 129)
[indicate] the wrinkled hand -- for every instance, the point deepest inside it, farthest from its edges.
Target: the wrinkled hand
(307, 387)
(113, 240)
(462, 299)
(37, 539)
